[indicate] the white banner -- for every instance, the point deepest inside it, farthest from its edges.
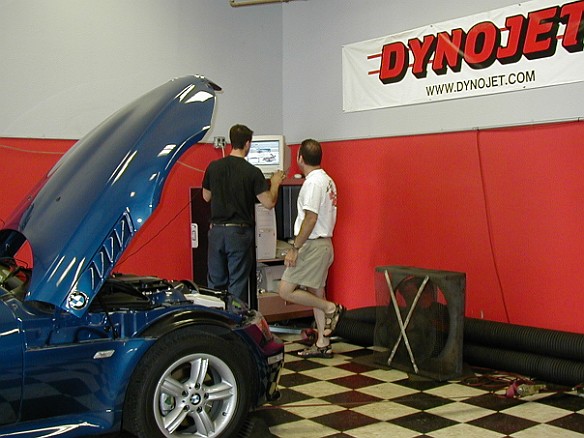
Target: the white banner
(529, 45)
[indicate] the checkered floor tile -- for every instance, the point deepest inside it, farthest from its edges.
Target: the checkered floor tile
(349, 396)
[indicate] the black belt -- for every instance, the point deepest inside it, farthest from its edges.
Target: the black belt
(231, 225)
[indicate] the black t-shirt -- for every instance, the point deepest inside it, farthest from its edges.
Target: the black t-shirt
(234, 184)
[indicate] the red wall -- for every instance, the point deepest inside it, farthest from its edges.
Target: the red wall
(505, 206)
(502, 205)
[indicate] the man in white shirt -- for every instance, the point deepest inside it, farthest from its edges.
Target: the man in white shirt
(312, 254)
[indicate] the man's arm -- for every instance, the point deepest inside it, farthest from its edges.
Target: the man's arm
(269, 198)
(207, 195)
(306, 228)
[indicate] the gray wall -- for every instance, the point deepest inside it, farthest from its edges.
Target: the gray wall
(316, 30)
(68, 64)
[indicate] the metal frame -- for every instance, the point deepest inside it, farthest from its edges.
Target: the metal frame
(404, 324)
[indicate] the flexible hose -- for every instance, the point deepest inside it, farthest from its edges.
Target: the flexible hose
(545, 342)
(549, 369)
(357, 331)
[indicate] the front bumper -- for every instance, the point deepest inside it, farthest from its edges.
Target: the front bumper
(275, 367)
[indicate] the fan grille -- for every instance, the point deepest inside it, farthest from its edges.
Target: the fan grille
(419, 320)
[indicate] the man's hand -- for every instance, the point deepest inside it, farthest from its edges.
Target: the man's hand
(278, 177)
(290, 258)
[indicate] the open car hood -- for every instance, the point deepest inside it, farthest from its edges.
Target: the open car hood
(79, 218)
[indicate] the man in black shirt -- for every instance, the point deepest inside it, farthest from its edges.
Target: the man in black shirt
(233, 186)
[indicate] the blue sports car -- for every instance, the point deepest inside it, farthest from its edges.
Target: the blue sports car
(87, 351)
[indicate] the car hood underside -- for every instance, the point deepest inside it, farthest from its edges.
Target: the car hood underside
(79, 218)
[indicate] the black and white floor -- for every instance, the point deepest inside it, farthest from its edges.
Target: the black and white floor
(348, 396)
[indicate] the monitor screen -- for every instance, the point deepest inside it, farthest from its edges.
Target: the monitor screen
(269, 153)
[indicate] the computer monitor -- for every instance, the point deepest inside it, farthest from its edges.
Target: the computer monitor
(269, 153)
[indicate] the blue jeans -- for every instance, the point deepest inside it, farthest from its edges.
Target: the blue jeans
(230, 259)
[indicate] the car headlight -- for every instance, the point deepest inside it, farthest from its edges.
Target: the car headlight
(262, 324)
(260, 329)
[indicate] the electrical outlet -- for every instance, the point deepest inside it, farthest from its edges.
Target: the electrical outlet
(219, 142)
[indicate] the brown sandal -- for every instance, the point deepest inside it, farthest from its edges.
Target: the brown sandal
(332, 319)
(317, 352)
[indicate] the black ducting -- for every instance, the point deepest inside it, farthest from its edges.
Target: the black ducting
(552, 343)
(549, 355)
(358, 326)
(548, 369)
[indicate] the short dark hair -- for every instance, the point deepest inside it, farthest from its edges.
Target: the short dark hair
(239, 136)
(311, 152)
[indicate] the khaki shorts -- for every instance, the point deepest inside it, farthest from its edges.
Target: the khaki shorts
(312, 265)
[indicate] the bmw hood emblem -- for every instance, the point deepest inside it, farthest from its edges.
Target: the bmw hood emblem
(77, 300)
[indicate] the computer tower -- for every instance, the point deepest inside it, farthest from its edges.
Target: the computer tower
(286, 211)
(265, 233)
(200, 219)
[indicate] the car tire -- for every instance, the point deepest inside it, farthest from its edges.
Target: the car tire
(190, 383)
